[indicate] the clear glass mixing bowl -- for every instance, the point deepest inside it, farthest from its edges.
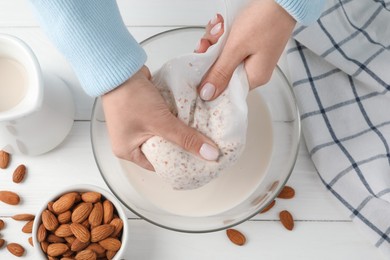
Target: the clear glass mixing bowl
(241, 192)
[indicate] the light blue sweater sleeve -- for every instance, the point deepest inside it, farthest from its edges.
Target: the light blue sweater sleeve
(94, 39)
(303, 11)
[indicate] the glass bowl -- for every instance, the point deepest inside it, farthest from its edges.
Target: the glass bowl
(239, 193)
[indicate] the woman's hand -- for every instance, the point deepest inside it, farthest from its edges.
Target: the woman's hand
(135, 112)
(257, 38)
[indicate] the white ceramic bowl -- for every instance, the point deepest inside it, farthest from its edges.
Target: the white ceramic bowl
(82, 188)
(243, 190)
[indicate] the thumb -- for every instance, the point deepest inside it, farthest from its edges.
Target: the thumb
(219, 75)
(189, 139)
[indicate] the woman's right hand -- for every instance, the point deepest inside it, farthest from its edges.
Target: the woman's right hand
(135, 111)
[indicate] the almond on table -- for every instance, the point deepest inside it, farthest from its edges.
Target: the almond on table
(236, 236)
(270, 206)
(286, 219)
(286, 193)
(23, 217)
(9, 197)
(4, 159)
(15, 249)
(27, 228)
(19, 174)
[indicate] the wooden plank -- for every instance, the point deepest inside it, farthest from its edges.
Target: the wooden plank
(265, 240)
(73, 163)
(18, 13)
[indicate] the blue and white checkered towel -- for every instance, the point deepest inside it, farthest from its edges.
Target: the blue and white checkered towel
(340, 71)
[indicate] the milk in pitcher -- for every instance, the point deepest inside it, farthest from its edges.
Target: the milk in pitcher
(13, 83)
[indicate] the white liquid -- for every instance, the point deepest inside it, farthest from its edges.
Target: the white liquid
(226, 191)
(13, 83)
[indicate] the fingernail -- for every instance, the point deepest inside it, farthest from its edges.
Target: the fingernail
(197, 46)
(207, 91)
(216, 29)
(209, 152)
(214, 20)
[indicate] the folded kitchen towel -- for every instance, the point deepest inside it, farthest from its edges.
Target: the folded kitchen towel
(340, 72)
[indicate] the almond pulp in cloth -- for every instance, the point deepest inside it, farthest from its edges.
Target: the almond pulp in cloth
(224, 120)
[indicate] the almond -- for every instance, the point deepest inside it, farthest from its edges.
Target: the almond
(44, 246)
(49, 220)
(2, 242)
(41, 233)
(57, 249)
(50, 206)
(236, 237)
(118, 224)
(51, 238)
(30, 241)
(101, 232)
(98, 249)
(15, 249)
(81, 212)
(27, 228)
(111, 244)
(85, 223)
(96, 216)
(78, 197)
(68, 255)
(86, 255)
(110, 254)
(80, 232)
(64, 217)
(70, 239)
(91, 196)
(108, 211)
(286, 193)
(64, 203)
(286, 219)
(269, 206)
(63, 231)
(9, 197)
(4, 159)
(23, 217)
(1, 224)
(19, 173)
(77, 245)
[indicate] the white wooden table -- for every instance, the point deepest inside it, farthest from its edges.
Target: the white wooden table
(323, 229)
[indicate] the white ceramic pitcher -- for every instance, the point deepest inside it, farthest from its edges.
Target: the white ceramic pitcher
(36, 110)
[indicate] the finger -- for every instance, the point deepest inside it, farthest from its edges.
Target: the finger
(218, 77)
(214, 30)
(203, 46)
(175, 131)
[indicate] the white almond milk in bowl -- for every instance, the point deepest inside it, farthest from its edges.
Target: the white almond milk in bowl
(242, 190)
